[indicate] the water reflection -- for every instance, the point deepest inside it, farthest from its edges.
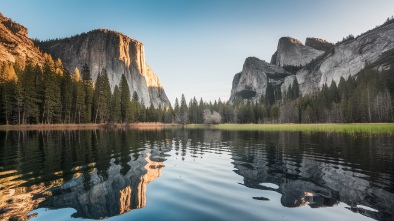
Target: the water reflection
(105, 198)
(320, 174)
(98, 173)
(105, 173)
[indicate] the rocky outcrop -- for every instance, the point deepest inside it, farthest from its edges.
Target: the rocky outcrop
(15, 44)
(318, 62)
(115, 52)
(346, 59)
(291, 52)
(256, 74)
(318, 44)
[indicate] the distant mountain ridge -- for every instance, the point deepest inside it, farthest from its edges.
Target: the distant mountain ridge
(319, 62)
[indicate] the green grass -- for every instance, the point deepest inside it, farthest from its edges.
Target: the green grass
(336, 128)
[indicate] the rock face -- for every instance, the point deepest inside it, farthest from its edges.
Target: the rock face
(117, 53)
(318, 44)
(256, 74)
(346, 59)
(291, 52)
(319, 62)
(15, 44)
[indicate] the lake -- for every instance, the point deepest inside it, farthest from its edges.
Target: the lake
(195, 174)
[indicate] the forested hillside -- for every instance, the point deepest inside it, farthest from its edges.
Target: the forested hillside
(50, 94)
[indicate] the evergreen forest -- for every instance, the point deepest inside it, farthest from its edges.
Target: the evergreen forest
(49, 94)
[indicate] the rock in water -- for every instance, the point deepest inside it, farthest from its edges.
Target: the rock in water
(117, 53)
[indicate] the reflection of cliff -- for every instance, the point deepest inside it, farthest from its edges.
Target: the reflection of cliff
(310, 179)
(16, 201)
(116, 195)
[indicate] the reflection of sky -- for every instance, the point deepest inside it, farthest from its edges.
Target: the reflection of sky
(190, 44)
(50, 215)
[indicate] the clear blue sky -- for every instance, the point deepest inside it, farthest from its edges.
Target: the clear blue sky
(197, 46)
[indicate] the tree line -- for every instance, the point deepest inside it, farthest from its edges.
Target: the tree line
(367, 97)
(49, 94)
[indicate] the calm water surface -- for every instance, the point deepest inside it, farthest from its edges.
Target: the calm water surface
(179, 174)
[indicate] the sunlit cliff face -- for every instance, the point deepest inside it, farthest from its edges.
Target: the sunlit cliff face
(15, 44)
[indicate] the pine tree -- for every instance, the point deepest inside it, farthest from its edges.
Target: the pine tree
(67, 97)
(177, 113)
(51, 109)
(333, 92)
(115, 105)
(136, 109)
(28, 80)
(201, 108)
(86, 75)
(102, 98)
(184, 111)
(125, 108)
(8, 87)
(79, 100)
(89, 88)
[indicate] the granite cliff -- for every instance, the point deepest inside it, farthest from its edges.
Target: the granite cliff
(15, 44)
(117, 53)
(318, 44)
(256, 74)
(346, 59)
(291, 52)
(99, 49)
(319, 62)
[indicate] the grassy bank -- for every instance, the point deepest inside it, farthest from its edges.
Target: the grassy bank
(338, 128)
(138, 126)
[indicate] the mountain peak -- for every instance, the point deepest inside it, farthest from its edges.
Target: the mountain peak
(289, 40)
(14, 43)
(318, 44)
(13, 26)
(291, 52)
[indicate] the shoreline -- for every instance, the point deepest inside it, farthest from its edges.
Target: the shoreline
(321, 127)
(328, 127)
(89, 126)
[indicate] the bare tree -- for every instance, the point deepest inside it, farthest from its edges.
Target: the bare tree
(211, 118)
